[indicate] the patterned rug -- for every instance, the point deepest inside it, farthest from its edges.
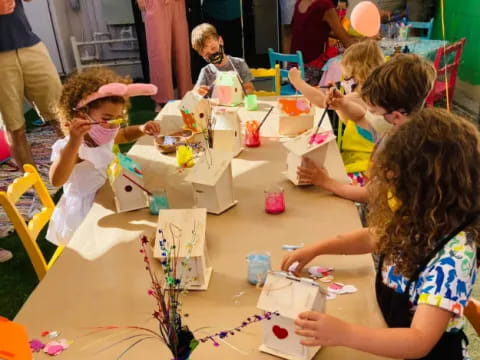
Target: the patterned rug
(41, 140)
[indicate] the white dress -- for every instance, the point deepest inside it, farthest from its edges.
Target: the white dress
(79, 191)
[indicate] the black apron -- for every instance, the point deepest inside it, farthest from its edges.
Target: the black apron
(396, 307)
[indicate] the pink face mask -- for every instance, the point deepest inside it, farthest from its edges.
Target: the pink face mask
(101, 135)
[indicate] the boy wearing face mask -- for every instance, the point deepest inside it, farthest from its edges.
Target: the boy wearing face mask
(209, 45)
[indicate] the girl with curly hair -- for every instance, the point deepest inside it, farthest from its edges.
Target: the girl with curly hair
(93, 105)
(423, 218)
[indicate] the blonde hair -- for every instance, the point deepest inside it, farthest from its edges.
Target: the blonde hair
(80, 85)
(403, 82)
(360, 59)
(201, 33)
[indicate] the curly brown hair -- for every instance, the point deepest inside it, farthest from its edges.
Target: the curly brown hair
(430, 167)
(80, 85)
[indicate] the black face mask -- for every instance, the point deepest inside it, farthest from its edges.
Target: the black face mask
(217, 58)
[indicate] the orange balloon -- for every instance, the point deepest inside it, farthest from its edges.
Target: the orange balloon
(365, 18)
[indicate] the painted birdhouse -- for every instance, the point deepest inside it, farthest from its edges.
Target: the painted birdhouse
(126, 179)
(212, 182)
(228, 89)
(195, 111)
(289, 296)
(186, 229)
(304, 146)
(227, 133)
(296, 115)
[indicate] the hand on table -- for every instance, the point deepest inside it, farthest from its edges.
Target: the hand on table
(320, 329)
(308, 173)
(150, 128)
(301, 256)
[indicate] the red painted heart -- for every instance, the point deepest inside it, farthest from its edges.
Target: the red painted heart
(280, 332)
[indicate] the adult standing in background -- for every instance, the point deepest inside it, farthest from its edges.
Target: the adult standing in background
(313, 20)
(225, 16)
(26, 71)
(168, 47)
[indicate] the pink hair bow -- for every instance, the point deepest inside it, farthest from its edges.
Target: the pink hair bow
(119, 89)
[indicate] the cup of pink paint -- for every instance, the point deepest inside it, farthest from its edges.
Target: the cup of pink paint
(274, 201)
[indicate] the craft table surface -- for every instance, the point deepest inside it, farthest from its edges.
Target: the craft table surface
(108, 284)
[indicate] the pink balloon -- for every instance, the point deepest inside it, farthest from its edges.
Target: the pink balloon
(365, 18)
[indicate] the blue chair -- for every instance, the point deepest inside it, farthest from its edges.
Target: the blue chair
(428, 25)
(297, 58)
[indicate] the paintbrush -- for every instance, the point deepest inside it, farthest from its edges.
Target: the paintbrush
(265, 118)
(137, 184)
(312, 138)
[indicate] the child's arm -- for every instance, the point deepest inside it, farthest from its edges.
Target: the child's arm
(348, 108)
(356, 242)
(132, 133)
(62, 168)
(428, 325)
(309, 173)
(316, 96)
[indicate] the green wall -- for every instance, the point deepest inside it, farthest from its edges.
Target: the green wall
(462, 19)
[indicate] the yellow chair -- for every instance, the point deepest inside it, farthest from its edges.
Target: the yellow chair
(266, 73)
(28, 232)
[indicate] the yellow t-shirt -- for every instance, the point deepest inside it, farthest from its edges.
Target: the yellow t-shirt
(357, 147)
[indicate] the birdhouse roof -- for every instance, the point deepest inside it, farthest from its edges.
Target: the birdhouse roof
(210, 167)
(295, 106)
(300, 145)
(289, 295)
(226, 78)
(224, 118)
(123, 162)
(190, 102)
(186, 228)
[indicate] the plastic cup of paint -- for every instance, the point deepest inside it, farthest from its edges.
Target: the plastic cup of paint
(258, 266)
(251, 103)
(252, 134)
(158, 201)
(274, 201)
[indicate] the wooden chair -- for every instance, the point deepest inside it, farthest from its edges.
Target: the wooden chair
(268, 73)
(28, 232)
(427, 25)
(446, 74)
(296, 58)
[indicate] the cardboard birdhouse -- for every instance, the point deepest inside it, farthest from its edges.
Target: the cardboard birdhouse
(196, 111)
(227, 133)
(186, 229)
(289, 296)
(228, 88)
(126, 179)
(296, 115)
(302, 146)
(212, 182)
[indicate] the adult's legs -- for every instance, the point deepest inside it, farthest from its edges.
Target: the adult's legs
(11, 107)
(181, 48)
(41, 81)
(158, 25)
